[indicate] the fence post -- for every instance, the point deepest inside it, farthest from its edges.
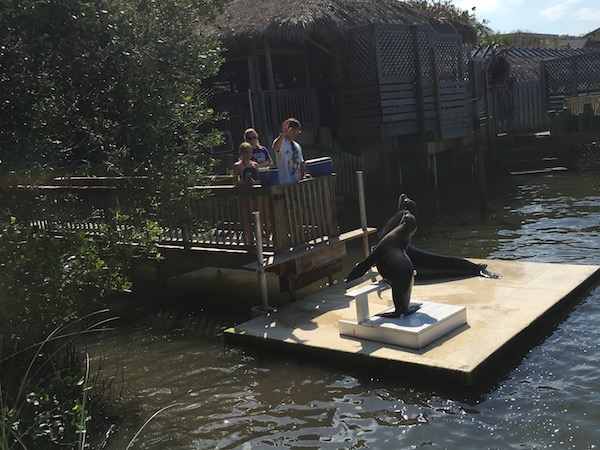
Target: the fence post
(363, 211)
(262, 276)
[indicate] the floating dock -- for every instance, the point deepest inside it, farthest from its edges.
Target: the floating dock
(500, 314)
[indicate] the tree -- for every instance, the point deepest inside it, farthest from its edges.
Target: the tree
(88, 87)
(101, 87)
(104, 87)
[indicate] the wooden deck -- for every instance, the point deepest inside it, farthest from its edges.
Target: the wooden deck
(297, 235)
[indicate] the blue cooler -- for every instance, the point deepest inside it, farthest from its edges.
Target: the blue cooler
(319, 167)
(268, 177)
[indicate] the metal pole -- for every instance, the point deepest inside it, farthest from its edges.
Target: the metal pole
(262, 276)
(435, 174)
(363, 211)
(251, 108)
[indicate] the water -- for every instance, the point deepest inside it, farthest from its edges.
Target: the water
(230, 397)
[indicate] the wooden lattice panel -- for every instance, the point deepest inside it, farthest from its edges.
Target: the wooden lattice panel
(424, 55)
(588, 73)
(396, 53)
(573, 75)
(356, 61)
(407, 90)
(558, 76)
(448, 59)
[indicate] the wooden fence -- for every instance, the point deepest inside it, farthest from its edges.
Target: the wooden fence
(292, 215)
(521, 108)
(571, 76)
(400, 79)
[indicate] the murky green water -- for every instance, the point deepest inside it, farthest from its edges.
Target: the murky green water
(232, 397)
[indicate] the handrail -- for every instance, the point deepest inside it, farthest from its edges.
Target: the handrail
(292, 215)
(576, 104)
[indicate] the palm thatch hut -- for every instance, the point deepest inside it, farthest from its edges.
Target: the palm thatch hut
(325, 21)
(524, 83)
(358, 74)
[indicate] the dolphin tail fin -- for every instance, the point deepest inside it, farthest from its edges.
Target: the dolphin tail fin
(361, 268)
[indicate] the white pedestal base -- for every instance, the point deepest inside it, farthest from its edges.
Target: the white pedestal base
(430, 322)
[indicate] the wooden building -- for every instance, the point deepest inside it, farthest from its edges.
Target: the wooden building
(520, 85)
(381, 80)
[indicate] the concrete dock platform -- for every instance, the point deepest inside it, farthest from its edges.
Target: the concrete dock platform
(501, 313)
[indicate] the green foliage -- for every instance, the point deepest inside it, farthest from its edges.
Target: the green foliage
(100, 87)
(447, 10)
(505, 40)
(442, 8)
(45, 391)
(104, 87)
(88, 87)
(46, 279)
(107, 87)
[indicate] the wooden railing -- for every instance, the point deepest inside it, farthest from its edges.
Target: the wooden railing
(345, 166)
(576, 104)
(291, 215)
(299, 235)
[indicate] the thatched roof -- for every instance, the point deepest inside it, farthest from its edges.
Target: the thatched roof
(323, 20)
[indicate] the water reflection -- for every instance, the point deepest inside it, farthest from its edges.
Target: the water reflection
(232, 397)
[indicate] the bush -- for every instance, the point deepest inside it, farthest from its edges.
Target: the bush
(103, 88)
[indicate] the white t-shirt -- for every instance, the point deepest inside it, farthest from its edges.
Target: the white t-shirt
(289, 160)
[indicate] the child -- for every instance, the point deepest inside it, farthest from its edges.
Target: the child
(245, 171)
(260, 153)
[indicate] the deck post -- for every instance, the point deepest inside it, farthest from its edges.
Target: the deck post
(262, 276)
(363, 211)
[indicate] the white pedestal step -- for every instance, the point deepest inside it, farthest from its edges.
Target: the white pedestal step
(430, 322)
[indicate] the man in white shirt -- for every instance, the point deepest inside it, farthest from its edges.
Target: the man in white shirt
(288, 153)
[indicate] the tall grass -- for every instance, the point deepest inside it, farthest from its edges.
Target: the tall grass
(45, 389)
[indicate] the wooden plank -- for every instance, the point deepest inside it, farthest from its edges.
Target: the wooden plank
(400, 117)
(411, 101)
(400, 128)
(281, 258)
(405, 109)
(362, 122)
(452, 85)
(456, 98)
(401, 96)
(363, 105)
(405, 83)
(537, 171)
